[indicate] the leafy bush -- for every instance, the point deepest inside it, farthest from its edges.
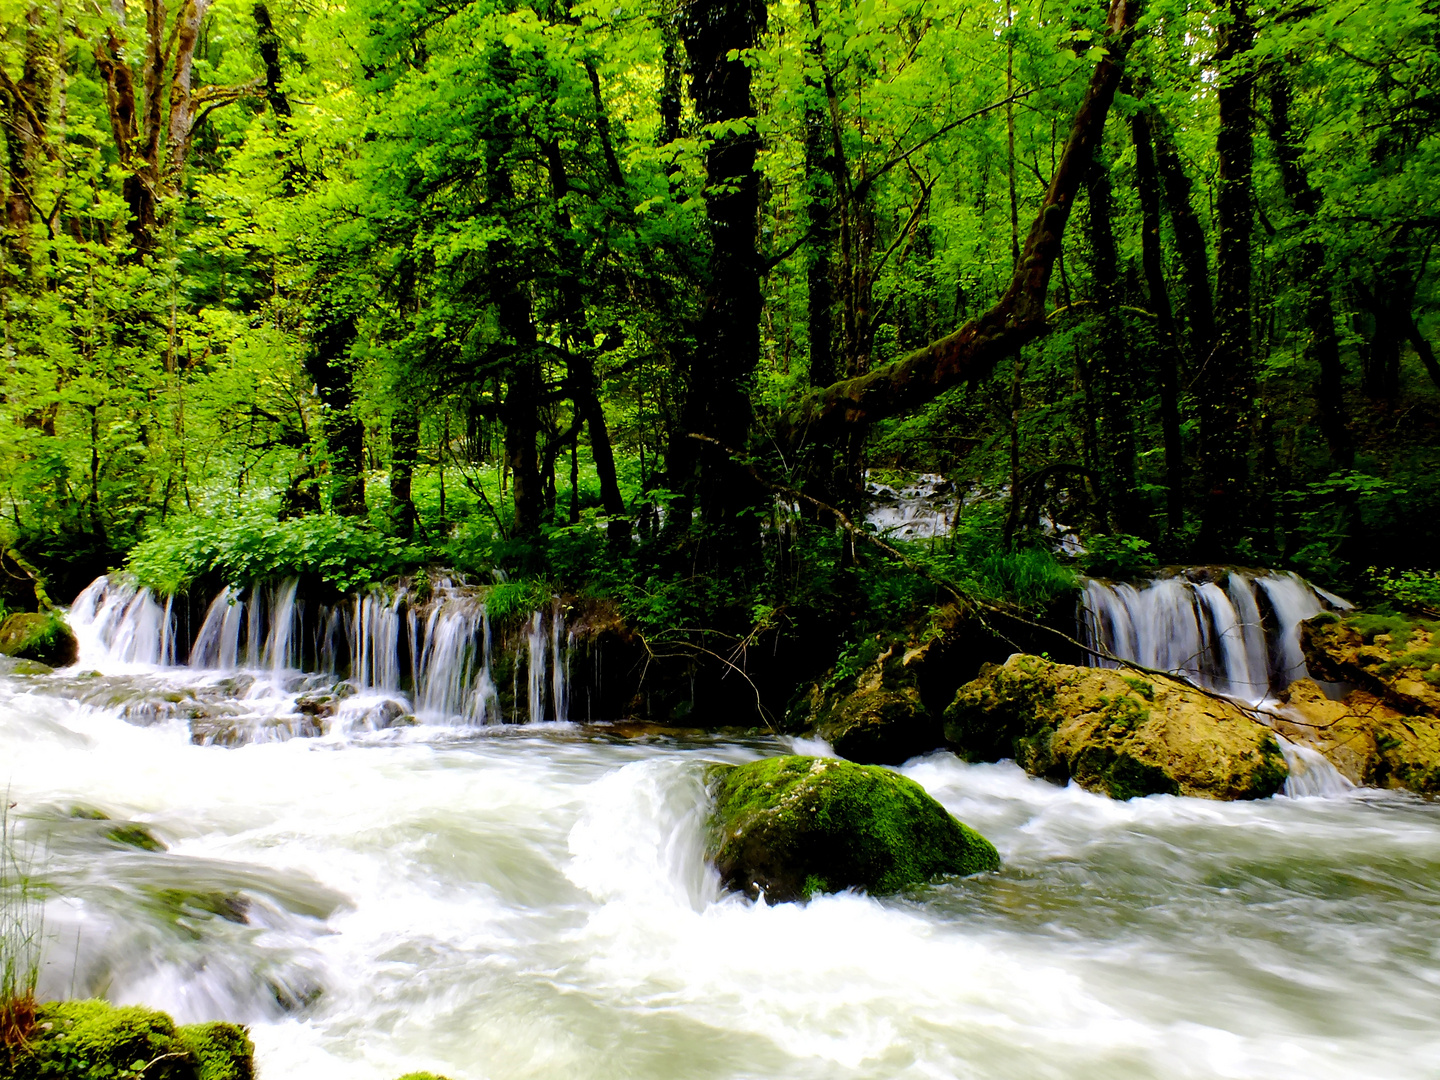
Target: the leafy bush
(1118, 555)
(1415, 588)
(253, 545)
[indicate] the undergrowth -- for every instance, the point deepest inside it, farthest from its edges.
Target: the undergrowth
(22, 929)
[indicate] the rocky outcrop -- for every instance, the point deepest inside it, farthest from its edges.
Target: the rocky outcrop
(43, 638)
(1369, 741)
(792, 827)
(1114, 732)
(95, 1039)
(1395, 658)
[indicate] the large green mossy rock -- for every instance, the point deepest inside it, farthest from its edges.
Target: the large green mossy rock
(1113, 732)
(94, 1040)
(43, 638)
(791, 827)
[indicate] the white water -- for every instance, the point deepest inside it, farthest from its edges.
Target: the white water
(1216, 636)
(432, 656)
(532, 902)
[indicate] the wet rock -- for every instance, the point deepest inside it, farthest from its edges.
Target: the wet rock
(1394, 657)
(95, 1039)
(1367, 740)
(43, 638)
(324, 702)
(878, 726)
(1114, 732)
(11, 666)
(388, 714)
(792, 827)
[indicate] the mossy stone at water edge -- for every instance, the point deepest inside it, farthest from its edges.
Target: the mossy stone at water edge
(40, 637)
(1116, 733)
(791, 827)
(94, 1040)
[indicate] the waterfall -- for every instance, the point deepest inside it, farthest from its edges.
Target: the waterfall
(115, 621)
(1242, 639)
(438, 651)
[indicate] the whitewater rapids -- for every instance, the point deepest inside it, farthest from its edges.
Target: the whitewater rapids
(533, 902)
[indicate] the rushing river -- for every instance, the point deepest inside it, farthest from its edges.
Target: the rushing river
(532, 902)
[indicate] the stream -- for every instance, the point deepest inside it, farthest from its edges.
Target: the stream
(531, 900)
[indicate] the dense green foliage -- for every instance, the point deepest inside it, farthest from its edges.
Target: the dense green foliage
(355, 290)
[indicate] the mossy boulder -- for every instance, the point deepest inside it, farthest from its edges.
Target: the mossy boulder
(81, 1040)
(43, 638)
(1368, 740)
(1114, 732)
(1394, 657)
(792, 827)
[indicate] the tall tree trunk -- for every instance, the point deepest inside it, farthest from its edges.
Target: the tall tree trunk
(1190, 245)
(1313, 280)
(328, 364)
(719, 404)
(404, 452)
(1116, 380)
(1167, 356)
(26, 115)
(1225, 386)
(581, 367)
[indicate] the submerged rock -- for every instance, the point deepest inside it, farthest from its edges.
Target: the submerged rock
(791, 827)
(97, 1039)
(1113, 732)
(43, 638)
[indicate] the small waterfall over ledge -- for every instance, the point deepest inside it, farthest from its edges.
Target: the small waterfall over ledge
(1235, 632)
(436, 652)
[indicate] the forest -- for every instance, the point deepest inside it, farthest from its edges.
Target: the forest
(719, 538)
(480, 284)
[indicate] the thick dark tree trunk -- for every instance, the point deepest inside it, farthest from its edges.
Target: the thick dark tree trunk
(269, 44)
(718, 405)
(1112, 370)
(1313, 281)
(1167, 356)
(1225, 383)
(1423, 349)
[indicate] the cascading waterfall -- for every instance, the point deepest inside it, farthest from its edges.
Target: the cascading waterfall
(124, 624)
(438, 651)
(1242, 639)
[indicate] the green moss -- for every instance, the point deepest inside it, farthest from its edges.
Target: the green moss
(136, 836)
(221, 1051)
(1140, 686)
(43, 638)
(94, 1040)
(1372, 624)
(795, 826)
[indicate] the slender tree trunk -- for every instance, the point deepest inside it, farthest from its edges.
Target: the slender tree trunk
(1167, 356)
(1190, 245)
(1423, 349)
(404, 452)
(581, 368)
(1313, 281)
(1225, 386)
(327, 363)
(1114, 375)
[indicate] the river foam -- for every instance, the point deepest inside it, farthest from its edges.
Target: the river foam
(531, 902)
